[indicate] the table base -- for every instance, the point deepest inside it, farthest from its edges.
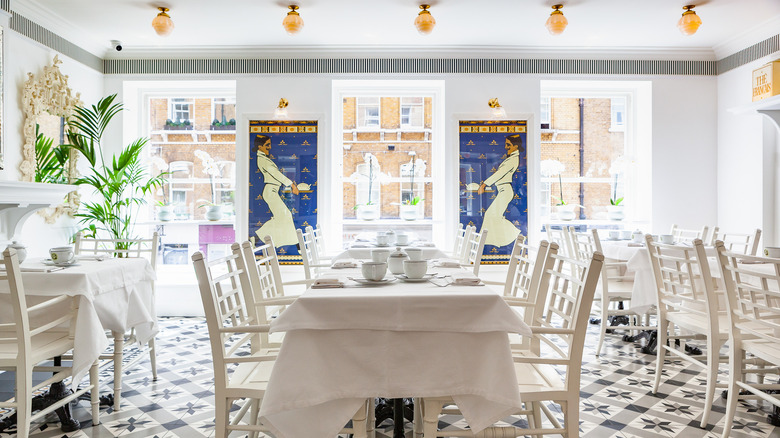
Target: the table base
(57, 391)
(398, 409)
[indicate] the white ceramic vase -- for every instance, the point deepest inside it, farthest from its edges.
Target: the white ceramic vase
(616, 212)
(367, 212)
(408, 212)
(566, 212)
(214, 212)
(166, 213)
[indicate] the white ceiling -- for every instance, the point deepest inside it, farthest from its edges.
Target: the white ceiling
(645, 29)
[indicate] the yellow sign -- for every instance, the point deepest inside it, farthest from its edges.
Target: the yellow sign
(766, 81)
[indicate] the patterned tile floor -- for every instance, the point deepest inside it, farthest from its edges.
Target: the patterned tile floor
(615, 398)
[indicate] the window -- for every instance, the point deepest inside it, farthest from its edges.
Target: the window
(412, 112)
(180, 109)
(545, 113)
(223, 109)
(618, 111)
(367, 112)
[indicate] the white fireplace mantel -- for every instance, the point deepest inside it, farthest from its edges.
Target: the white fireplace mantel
(19, 200)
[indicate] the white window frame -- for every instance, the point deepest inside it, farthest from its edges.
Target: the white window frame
(545, 112)
(637, 179)
(363, 107)
(410, 106)
(172, 108)
(618, 122)
(331, 193)
(228, 101)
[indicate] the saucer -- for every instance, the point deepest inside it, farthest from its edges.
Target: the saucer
(368, 282)
(49, 262)
(425, 277)
(381, 246)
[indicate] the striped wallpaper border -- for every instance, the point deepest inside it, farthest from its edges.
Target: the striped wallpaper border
(5, 5)
(756, 51)
(410, 65)
(38, 33)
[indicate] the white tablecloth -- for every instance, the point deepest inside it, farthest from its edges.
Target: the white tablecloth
(115, 294)
(397, 340)
(643, 295)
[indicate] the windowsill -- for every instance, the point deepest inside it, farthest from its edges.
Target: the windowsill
(230, 221)
(617, 129)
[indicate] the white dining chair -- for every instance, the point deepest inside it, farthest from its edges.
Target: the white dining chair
(614, 296)
(475, 245)
(124, 248)
(318, 235)
(38, 333)
(307, 247)
(560, 325)
(753, 300)
(264, 283)
(562, 238)
(747, 244)
(234, 336)
(689, 235)
(458, 244)
(688, 309)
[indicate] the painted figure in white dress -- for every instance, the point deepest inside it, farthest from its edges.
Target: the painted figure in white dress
(280, 227)
(501, 231)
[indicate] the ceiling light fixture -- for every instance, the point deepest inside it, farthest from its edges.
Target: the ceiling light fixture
(292, 23)
(689, 22)
(424, 21)
(496, 108)
(557, 22)
(162, 23)
(280, 112)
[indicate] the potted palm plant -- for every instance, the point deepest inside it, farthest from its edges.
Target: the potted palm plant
(121, 186)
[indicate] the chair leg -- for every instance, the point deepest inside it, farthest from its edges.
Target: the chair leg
(735, 372)
(602, 328)
(253, 418)
(221, 416)
(153, 358)
(431, 410)
(663, 327)
(23, 401)
(712, 377)
(360, 423)
(119, 345)
(417, 426)
(94, 394)
(572, 419)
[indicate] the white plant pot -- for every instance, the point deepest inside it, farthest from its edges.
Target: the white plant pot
(566, 212)
(367, 212)
(408, 212)
(214, 212)
(166, 213)
(616, 212)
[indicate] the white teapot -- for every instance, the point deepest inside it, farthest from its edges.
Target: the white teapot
(637, 236)
(395, 261)
(21, 250)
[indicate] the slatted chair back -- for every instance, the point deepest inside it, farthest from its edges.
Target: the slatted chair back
(119, 248)
(308, 250)
(460, 233)
(474, 247)
(227, 306)
(689, 235)
(562, 319)
(562, 238)
(462, 255)
(753, 295)
(318, 235)
(746, 244)
(22, 328)
(262, 269)
(683, 280)
(526, 265)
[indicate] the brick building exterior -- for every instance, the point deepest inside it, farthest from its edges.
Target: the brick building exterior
(391, 143)
(602, 144)
(178, 144)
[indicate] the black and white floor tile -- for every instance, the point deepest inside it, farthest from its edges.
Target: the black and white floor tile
(616, 399)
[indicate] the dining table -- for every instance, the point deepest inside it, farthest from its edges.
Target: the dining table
(361, 249)
(394, 339)
(114, 294)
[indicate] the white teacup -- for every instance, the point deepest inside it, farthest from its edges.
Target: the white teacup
(614, 235)
(62, 255)
(402, 239)
(772, 251)
(379, 255)
(374, 271)
(382, 239)
(415, 268)
(666, 238)
(414, 253)
(625, 234)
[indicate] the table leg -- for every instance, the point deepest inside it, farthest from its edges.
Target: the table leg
(398, 418)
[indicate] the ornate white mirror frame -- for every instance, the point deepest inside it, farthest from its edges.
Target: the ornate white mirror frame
(48, 93)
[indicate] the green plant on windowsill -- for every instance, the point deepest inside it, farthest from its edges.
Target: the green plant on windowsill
(615, 202)
(414, 201)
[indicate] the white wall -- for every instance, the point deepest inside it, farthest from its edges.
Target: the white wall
(746, 159)
(22, 56)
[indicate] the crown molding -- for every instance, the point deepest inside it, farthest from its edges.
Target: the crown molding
(40, 15)
(438, 52)
(747, 38)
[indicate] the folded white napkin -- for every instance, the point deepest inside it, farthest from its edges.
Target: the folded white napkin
(326, 282)
(466, 280)
(444, 263)
(360, 245)
(425, 244)
(344, 264)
